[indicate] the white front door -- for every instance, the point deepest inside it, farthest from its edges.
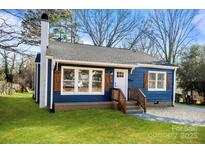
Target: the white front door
(121, 80)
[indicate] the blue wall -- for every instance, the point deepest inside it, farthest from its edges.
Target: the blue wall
(136, 79)
(84, 98)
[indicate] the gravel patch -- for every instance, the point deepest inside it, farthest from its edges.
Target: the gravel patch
(181, 114)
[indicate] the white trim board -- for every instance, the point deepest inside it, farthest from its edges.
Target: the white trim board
(157, 66)
(94, 63)
(114, 64)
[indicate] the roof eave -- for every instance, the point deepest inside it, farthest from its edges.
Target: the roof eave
(157, 66)
(114, 64)
(95, 63)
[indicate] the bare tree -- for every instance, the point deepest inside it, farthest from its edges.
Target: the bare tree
(9, 64)
(10, 36)
(25, 67)
(144, 44)
(10, 41)
(171, 31)
(132, 41)
(138, 40)
(107, 27)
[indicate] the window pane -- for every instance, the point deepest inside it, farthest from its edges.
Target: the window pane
(152, 76)
(68, 86)
(83, 75)
(97, 86)
(68, 80)
(97, 81)
(151, 84)
(160, 77)
(83, 81)
(83, 86)
(69, 74)
(97, 75)
(120, 74)
(160, 84)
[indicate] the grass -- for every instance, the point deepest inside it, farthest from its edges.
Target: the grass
(21, 121)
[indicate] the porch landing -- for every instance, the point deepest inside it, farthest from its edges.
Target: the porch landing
(82, 105)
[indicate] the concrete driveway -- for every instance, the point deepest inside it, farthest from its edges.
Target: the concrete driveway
(183, 114)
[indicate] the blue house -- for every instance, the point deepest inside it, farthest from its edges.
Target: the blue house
(77, 76)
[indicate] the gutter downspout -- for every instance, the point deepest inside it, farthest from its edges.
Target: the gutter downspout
(52, 108)
(132, 69)
(174, 88)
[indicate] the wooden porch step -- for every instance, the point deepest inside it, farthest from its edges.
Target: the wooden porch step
(131, 103)
(130, 107)
(134, 111)
(133, 108)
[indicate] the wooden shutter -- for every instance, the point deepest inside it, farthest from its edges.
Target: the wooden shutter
(146, 80)
(168, 80)
(57, 80)
(107, 82)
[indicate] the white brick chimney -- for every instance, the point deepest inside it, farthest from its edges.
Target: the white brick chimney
(44, 63)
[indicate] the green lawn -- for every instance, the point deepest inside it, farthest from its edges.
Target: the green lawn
(21, 121)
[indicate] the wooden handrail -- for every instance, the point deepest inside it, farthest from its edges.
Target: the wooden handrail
(118, 96)
(137, 95)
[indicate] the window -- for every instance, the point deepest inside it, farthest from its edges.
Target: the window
(68, 80)
(120, 74)
(156, 81)
(96, 81)
(85, 81)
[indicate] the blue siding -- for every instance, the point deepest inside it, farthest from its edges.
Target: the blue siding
(136, 79)
(49, 82)
(57, 97)
(80, 98)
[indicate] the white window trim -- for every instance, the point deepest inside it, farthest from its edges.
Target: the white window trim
(158, 89)
(76, 69)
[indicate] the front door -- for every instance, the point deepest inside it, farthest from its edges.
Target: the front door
(121, 80)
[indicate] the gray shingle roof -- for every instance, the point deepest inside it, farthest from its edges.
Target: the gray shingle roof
(90, 53)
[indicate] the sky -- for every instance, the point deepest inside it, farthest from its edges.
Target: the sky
(199, 22)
